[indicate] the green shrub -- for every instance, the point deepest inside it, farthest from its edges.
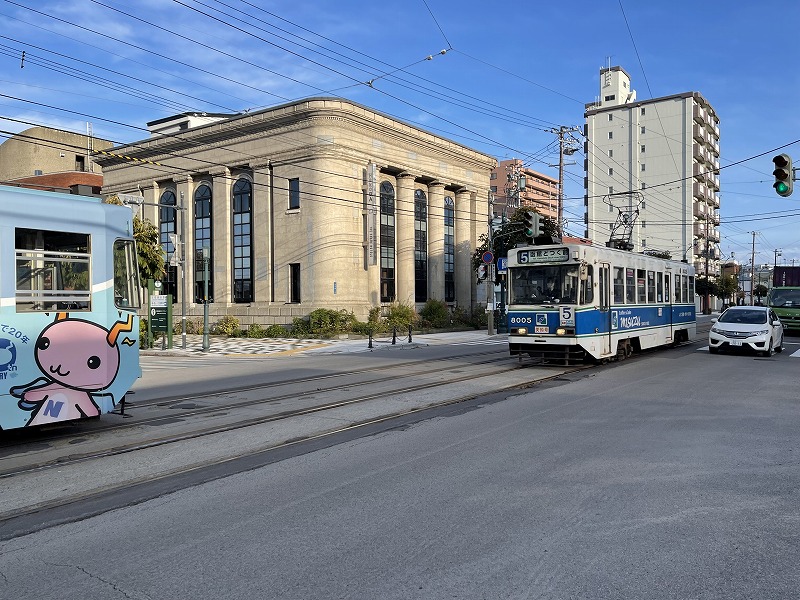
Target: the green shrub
(256, 331)
(400, 316)
(276, 331)
(324, 321)
(194, 326)
(300, 327)
(143, 334)
(435, 314)
(227, 325)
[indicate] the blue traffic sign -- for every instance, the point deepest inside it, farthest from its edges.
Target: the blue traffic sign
(488, 257)
(502, 264)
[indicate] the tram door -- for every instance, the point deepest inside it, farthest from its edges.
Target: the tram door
(605, 305)
(668, 298)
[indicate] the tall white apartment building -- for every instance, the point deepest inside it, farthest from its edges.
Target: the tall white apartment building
(651, 171)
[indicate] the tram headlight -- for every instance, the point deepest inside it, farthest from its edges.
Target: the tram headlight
(561, 331)
(521, 331)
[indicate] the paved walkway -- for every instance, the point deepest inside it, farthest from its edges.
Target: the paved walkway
(260, 346)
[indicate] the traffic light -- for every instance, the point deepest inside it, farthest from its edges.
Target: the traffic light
(531, 225)
(784, 175)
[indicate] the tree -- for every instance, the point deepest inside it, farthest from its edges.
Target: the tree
(726, 287)
(760, 291)
(509, 235)
(659, 254)
(150, 254)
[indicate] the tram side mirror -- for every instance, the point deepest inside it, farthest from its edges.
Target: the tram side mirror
(584, 273)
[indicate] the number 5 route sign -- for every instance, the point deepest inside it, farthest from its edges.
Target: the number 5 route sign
(488, 257)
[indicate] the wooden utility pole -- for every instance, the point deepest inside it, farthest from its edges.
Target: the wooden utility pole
(753, 271)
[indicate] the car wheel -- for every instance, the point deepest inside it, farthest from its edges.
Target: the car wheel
(713, 350)
(780, 345)
(768, 351)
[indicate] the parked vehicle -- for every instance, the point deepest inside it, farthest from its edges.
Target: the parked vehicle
(784, 297)
(755, 328)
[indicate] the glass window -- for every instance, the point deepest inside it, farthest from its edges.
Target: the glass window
(611, 135)
(685, 288)
(651, 286)
(387, 242)
(294, 283)
(619, 285)
(587, 287)
(53, 270)
(659, 287)
(294, 193)
(677, 289)
(126, 275)
(641, 292)
(242, 208)
(420, 246)
(550, 284)
(167, 228)
(630, 286)
(202, 244)
(449, 250)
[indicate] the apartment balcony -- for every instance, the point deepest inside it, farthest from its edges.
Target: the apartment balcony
(699, 191)
(699, 114)
(700, 229)
(714, 183)
(698, 132)
(714, 218)
(700, 210)
(713, 200)
(699, 267)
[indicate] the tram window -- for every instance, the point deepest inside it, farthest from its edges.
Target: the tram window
(52, 270)
(641, 293)
(651, 286)
(667, 289)
(587, 287)
(677, 289)
(126, 275)
(659, 287)
(685, 286)
(690, 299)
(619, 286)
(630, 286)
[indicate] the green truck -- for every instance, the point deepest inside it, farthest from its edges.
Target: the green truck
(784, 297)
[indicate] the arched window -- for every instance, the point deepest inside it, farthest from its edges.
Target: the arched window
(167, 224)
(449, 250)
(243, 241)
(203, 241)
(387, 242)
(420, 246)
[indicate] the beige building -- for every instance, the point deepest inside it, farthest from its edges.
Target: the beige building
(537, 191)
(52, 159)
(319, 203)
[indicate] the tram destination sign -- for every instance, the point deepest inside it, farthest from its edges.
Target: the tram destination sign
(540, 255)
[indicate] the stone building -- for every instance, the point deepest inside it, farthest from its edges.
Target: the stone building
(52, 160)
(319, 203)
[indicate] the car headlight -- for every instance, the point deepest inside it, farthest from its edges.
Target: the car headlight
(761, 332)
(715, 330)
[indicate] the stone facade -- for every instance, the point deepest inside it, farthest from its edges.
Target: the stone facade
(294, 220)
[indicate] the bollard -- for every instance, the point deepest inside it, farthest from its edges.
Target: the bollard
(409, 334)
(370, 340)
(394, 335)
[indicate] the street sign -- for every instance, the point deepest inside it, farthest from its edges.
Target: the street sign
(488, 257)
(502, 265)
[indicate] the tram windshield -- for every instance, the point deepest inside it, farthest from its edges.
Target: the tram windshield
(549, 284)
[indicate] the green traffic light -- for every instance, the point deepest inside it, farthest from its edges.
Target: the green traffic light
(781, 187)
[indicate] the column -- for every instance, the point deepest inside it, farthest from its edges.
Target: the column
(262, 234)
(404, 239)
(436, 241)
(463, 249)
(221, 226)
(184, 190)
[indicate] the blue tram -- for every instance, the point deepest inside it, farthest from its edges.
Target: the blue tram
(69, 292)
(571, 302)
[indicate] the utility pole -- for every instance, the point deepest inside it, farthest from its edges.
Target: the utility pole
(566, 145)
(490, 273)
(708, 280)
(753, 271)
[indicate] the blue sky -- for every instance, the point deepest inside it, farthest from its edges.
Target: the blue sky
(510, 73)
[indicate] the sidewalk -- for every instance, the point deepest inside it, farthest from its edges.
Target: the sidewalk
(260, 346)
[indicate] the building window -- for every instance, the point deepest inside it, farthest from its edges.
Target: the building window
(294, 283)
(644, 224)
(642, 110)
(294, 193)
(243, 241)
(493, 175)
(611, 189)
(420, 246)
(610, 117)
(642, 128)
(610, 171)
(449, 250)
(80, 163)
(387, 242)
(611, 97)
(167, 220)
(644, 185)
(643, 167)
(494, 189)
(642, 148)
(611, 135)
(644, 205)
(610, 154)
(203, 241)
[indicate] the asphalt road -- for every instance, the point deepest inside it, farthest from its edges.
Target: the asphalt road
(670, 476)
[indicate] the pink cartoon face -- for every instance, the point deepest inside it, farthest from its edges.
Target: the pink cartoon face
(77, 354)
